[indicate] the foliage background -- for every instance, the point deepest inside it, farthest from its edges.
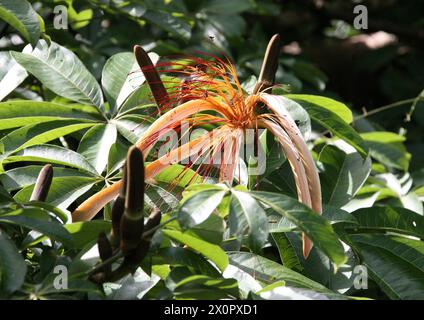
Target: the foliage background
(377, 72)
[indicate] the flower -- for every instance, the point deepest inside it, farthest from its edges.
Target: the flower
(211, 93)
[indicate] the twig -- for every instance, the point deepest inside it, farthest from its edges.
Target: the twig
(387, 107)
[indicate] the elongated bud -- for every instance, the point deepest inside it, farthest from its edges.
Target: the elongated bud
(132, 222)
(105, 252)
(269, 65)
(134, 195)
(43, 183)
(152, 77)
(104, 246)
(154, 220)
(118, 210)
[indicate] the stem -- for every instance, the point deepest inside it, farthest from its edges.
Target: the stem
(387, 107)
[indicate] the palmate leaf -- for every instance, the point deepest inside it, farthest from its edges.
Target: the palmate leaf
(317, 228)
(60, 70)
(20, 15)
(396, 264)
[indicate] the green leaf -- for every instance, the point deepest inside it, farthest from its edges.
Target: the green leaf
(334, 215)
(227, 7)
(396, 264)
(20, 113)
(186, 285)
(158, 197)
(387, 148)
(62, 215)
(287, 252)
(407, 249)
(60, 70)
(319, 268)
(342, 174)
(298, 114)
(121, 76)
(117, 154)
(132, 127)
(12, 265)
(14, 74)
(248, 219)
(39, 220)
(210, 230)
(80, 19)
(63, 190)
(114, 76)
(179, 175)
(210, 251)
(5, 198)
(199, 207)
(336, 125)
(176, 256)
(170, 23)
(34, 134)
(96, 143)
(20, 15)
(315, 226)
(53, 154)
(268, 271)
(391, 219)
(87, 231)
(323, 102)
